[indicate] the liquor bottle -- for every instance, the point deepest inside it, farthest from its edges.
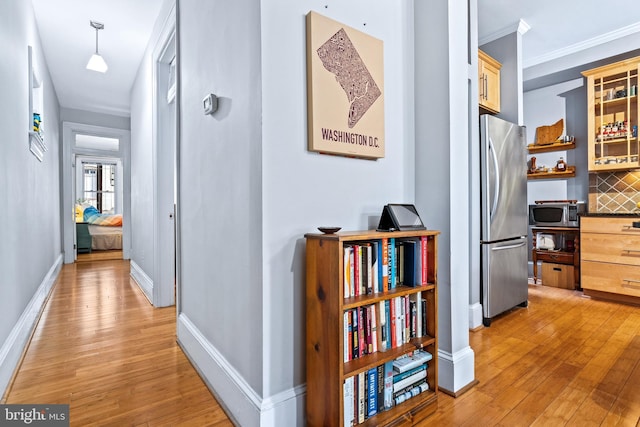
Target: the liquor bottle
(561, 166)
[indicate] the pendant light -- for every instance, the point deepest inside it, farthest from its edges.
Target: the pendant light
(96, 62)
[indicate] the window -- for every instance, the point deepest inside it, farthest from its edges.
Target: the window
(99, 185)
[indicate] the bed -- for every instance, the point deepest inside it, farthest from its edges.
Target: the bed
(105, 230)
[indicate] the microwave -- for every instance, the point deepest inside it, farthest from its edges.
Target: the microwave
(560, 214)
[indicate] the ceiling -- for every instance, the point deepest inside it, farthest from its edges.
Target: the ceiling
(557, 28)
(68, 42)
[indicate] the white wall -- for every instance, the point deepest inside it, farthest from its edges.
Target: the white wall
(95, 119)
(31, 246)
(443, 156)
(142, 186)
(249, 189)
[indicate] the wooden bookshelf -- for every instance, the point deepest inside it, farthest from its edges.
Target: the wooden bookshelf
(569, 173)
(328, 367)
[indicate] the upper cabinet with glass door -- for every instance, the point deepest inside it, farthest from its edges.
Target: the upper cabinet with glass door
(612, 102)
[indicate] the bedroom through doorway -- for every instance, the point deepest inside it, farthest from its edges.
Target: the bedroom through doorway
(98, 208)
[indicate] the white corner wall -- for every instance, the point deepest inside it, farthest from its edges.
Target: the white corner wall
(249, 189)
(31, 244)
(142, 185)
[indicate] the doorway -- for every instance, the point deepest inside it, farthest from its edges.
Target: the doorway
(90, 146)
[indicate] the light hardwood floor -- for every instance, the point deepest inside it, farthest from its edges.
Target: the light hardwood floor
(104, 350)
(100, 347)
(566, 360)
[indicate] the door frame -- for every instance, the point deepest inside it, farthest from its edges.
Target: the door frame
(164, 149)
(69, 153)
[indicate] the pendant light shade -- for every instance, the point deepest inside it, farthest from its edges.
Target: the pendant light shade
(96, 62)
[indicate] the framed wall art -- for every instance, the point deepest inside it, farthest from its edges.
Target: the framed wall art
(345, 90)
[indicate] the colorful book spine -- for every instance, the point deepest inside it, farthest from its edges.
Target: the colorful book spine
(372, 395)
(362, 397)
(388, 385)
(375, 266)
(392, 263)
(380, 385)
(356, 269)
(394, 329)
(346, 321)
(385, 264)
(375, 334)
(423, 247)
(356, 332)
(352, 278)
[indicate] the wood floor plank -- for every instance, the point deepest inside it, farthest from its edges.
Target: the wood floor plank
(100, 347)
(104, 350)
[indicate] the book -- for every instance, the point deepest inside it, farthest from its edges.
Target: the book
(410, 392)
(406, 362)
(388, 385)
(392, 263)
(413, 325)
(375, 335)
(375, 264)
(401, 376)
(423, 316)
(400, 257)
(362, 397)
(347, 273)
(357, 277)
(417, 300)
(372, 395)
(346, 321)
(382, 326)
(399, 321)
(388, 324)
(394, 329)
(423, 252)
(380, 385)
(356, 332)
(413, 379)
(368, 334)
(352, 283)
(407, 319)
(362, 327)
(347, 393)
(385, 264)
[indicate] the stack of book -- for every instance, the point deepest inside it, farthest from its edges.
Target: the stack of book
(381, 388)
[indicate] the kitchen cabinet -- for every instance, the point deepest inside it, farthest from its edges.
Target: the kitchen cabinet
(610, 257)
(488, 82)
(565, 251)
(612, 120)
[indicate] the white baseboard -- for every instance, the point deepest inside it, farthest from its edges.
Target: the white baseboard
(17, 341)
(241, 402)
(456, 371)
(144, 282)
(475, 315)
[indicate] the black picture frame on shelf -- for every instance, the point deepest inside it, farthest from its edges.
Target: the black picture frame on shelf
(400, 217)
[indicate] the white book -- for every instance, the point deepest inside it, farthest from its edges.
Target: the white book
(409, 380)
(347, 273)
(345, 332)
(349, 417)
(399, 324)
(419, 357)
(382, 324)
(374, 328)
(362, 397)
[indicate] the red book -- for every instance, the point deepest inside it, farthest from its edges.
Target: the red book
(356, 269)
(361, 328)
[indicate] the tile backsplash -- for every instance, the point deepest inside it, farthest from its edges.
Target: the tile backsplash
(614, 192)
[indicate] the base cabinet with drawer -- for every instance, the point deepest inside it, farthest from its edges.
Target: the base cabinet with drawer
(610, 258)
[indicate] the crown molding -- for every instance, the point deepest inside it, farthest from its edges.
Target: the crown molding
(519, 27)
(583, 45)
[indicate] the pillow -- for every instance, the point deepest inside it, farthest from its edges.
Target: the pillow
(79, 213)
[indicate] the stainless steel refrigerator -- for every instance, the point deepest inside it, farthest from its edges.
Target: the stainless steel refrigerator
(504, 216)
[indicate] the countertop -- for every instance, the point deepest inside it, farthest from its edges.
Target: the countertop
(614, 215)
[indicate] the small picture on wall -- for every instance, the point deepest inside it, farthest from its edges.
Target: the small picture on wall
(345, 89)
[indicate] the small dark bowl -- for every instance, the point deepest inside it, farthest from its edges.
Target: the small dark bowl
(329, 230)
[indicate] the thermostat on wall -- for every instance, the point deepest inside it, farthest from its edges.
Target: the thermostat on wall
(210, 104)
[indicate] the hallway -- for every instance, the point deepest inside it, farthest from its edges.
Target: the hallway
(104, 350)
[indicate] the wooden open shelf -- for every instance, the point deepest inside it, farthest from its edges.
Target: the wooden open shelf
(569, 173)
(555, 146)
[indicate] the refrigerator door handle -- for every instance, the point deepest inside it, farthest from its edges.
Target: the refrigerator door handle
(496, 197)
(501, 248)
